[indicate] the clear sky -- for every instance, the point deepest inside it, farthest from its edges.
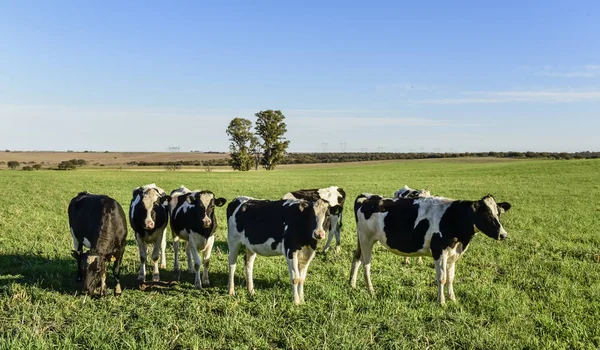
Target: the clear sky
(393, 75)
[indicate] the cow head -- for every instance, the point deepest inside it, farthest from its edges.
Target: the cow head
(205, 202)
(487, 217)
(146, 199)
(322, 212)
(92, 272)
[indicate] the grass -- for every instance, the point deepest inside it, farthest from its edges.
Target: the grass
(538, 289)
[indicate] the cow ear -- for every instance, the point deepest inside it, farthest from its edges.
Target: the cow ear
(219, 202)
(335, 210)
(165, 199)
(189, 198)
(136, 191)
(504, 207)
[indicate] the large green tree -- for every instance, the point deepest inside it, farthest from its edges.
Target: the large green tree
(271, 129)
(243, 143)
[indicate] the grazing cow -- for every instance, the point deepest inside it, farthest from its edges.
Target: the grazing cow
(283, 227)
(407, 192)
(193, 220)
(149, 216)
(97, 222)
(433, 226)
(335, 197)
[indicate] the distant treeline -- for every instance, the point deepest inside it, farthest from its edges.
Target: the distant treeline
(210, 162)
(304, 158)
(307, 158)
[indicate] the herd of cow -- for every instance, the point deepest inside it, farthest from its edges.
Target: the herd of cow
(411, 223)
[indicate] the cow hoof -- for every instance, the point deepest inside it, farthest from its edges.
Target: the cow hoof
(231, 292)
(155, 278)
(163, 266)
(325, 250)
(118, 290)
(205, 283)
(338, 249)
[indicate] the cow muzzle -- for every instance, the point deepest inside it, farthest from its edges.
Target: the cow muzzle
(502, 236)
(320, 234)
(148, 224)
(206, 222)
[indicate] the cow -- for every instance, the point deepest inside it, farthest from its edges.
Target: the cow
(335, 197)
(289, 227)
(149, 216)
(97, 222)
(407, 192)
(193, 220)
(433, 226)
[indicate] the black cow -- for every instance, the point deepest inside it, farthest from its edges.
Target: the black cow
(193, 220)
(335, 197)
(149, 216)
(283, 227)
(433, 226)
(97, 222)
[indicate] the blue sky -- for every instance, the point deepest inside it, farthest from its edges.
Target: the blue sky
(393, 76)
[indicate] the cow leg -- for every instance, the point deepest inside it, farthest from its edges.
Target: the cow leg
(305, 257)
(206, 260)
(440, 273)
(103, 290)
(163, 250)
(117, 271)
(294, 276)
(192, 250)
(176, 253)
(233, 244)
(143, 252)
(250, 257)
(338, 232)
(188, 253)
(450, 279)
(365, 257)
(355, 264)
(329, 239)
(419, 260)
(407, 260)
(155, 256)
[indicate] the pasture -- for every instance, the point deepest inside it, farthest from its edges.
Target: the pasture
(540, 288)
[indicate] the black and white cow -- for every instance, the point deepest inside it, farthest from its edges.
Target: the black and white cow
(407, 192)
(193, 220)
(149, 216)
(335, 197)
(97, 222)
(433, 226)
(282, 227)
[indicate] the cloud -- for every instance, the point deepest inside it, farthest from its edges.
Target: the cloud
(518, 97)
(587, 71)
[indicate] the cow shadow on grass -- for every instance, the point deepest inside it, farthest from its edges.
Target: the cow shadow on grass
(58, 275)
(55, 274)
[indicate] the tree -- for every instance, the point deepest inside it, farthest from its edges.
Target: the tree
(243, 143)
(271, 128)
(13, 164)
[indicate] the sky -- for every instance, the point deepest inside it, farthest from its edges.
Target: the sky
(434, 76)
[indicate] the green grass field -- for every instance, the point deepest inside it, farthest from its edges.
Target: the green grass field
(538, 289)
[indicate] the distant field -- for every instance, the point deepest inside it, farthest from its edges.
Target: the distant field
(110, 158)
(538, 289)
